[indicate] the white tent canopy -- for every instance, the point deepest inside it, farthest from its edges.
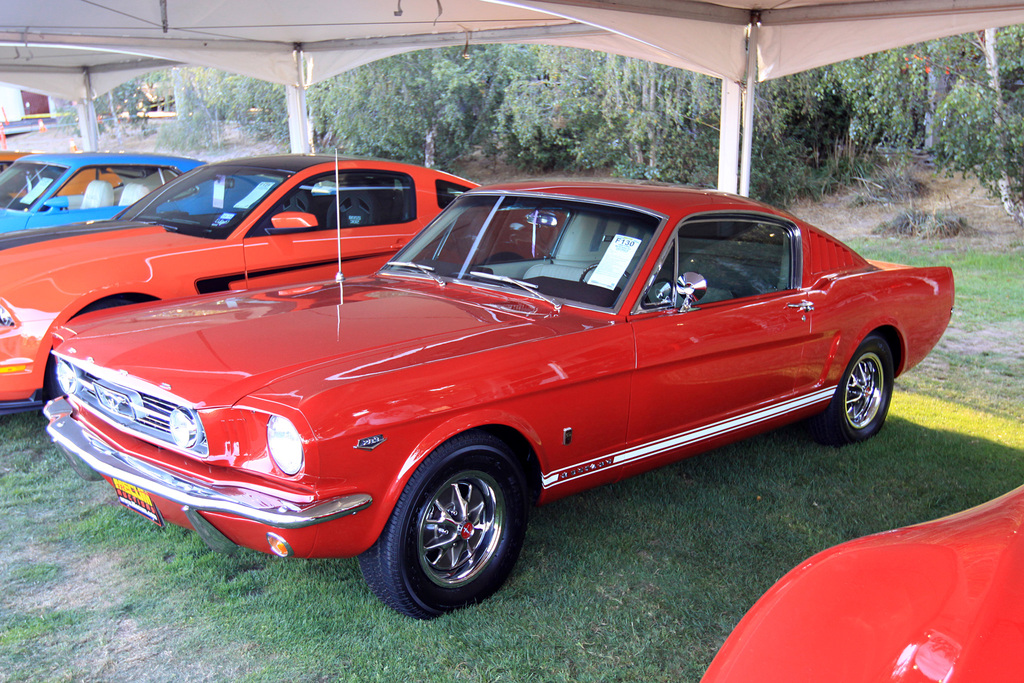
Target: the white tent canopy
(82, 48)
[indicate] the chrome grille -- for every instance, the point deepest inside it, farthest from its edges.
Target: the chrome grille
(135, 411)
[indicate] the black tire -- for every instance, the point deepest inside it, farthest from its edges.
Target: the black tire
(861, 402)
(456, 531)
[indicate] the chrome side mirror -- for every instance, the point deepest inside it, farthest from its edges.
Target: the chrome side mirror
(547, 219)
(690, 288)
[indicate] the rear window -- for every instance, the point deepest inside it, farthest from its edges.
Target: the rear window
(448, 192)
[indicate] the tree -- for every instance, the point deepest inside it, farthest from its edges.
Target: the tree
(424, 107)
(980, 124)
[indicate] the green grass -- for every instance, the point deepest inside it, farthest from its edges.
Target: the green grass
(980, 361)
(639, 581)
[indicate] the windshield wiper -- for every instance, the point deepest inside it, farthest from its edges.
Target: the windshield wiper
(420, 267)
(529, 287)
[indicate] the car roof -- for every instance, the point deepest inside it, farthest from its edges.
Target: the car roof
(661, 197)
(79, 159)
(298, 162)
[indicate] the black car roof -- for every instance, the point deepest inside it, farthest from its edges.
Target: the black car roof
(287, 162)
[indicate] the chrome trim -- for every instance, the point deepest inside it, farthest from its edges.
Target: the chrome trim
(795, 245)
(683, 439)
(132, 405)
(582, 199)
(619, 306)
(212, 537)
(89, 455)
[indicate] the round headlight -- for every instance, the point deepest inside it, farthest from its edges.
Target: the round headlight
(184, 427)
(285, 444)
(6, 319)
(66, 377)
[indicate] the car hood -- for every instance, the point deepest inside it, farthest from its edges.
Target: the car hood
(27, 254)
(36, 235)
(214, 350)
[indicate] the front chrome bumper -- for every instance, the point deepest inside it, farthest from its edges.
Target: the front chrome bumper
(94, 459)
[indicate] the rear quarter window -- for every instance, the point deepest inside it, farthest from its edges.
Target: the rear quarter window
(448, 192)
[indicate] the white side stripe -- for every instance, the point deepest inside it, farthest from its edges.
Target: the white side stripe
(676, 441)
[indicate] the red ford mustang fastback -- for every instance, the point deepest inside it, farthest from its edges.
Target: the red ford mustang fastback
(535, 340)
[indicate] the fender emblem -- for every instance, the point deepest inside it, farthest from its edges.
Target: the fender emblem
(370, 442)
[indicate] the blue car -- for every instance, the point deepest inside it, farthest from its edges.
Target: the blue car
(42, 190)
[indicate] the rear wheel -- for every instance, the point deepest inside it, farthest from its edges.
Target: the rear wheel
(861, 402)
(456, 532)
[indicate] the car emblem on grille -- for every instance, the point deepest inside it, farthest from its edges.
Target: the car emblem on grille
(115, 402)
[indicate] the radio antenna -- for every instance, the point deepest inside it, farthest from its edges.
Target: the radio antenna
(339, 278)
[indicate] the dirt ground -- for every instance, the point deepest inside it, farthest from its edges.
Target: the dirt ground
(64, 138)
(989, 224)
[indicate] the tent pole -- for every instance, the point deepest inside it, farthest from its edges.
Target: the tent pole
(748, 106)
(87, 125)
(298, 115)
(729, 137)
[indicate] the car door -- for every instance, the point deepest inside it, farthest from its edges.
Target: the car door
(734, 357)
(372, 213)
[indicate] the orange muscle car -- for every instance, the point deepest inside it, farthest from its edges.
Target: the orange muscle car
(263, 221)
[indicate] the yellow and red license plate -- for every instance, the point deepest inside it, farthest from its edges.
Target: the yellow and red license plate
(134, 498)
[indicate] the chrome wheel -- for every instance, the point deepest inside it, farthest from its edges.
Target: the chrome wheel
(864, 390)
(858, 409)
(460, 529)
(456, 530)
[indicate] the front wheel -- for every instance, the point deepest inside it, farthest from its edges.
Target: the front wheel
(455, 534)
(861, 402)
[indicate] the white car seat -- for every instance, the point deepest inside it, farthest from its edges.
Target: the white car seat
(98, 193)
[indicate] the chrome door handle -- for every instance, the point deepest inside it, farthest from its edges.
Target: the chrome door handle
(803, 306)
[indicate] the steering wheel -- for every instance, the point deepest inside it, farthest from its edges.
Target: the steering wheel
(587, 271)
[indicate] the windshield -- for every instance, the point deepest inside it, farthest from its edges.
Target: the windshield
(576, 251)
(208, 202)
(22, 184)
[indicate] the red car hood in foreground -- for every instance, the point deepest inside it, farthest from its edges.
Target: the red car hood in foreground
(940, 602)
(236, 345)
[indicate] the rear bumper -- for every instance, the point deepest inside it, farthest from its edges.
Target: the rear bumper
(92, 458)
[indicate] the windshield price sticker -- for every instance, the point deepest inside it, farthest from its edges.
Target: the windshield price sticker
(36, 190)
(615, 261)
(258, 192)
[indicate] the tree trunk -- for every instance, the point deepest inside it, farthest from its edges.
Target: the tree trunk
(1014, 206)
(428, 147)
(116, 120)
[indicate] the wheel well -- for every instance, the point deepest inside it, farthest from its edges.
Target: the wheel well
(520, 445)
(892, 337)
(115, 300)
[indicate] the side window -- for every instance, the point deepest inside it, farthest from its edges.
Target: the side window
(738, 257)
(448, 192)
(96, 186)
(355, 199)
